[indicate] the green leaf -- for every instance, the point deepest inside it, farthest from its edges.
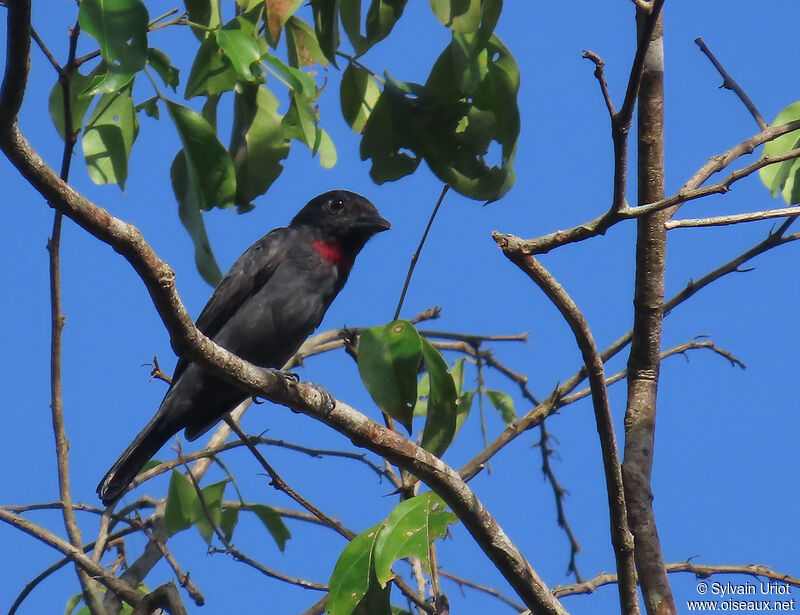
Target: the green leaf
(203, 12)
(257, 142)
(380, 19)
(211, 73)
(791, 190)
(782, 177)
(299, 81)
(120, 27)
(109, 136)
(182, 503)
(72, 603)
(149, 106)
(409, 530)
(210, 168)
(376, 601)
(242, 50)
(302, 44)
(228, 521)
(440, 426)
(458, 15)
(300, 123)
(358, 92)
(278, 13)
(274, 524)
(351, 575)
(388, 361)
(465, 111)
(503, 403)
(212, 495)
(192, 218)
(457, 372)
(423, 390)
(464, 405)
(391, 134)
(326, 149)
(163, 66)
(79, 104)
(326, 26)
(467, 122)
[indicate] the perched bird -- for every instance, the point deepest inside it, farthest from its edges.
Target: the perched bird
(270, 301)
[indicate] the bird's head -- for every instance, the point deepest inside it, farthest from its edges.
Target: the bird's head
(344, 217)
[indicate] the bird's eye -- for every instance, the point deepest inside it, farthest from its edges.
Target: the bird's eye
(335, 206)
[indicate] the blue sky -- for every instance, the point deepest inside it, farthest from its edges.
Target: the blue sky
(726, 441)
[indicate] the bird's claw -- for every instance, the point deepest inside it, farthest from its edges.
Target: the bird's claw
(284, 375)
(328, 400)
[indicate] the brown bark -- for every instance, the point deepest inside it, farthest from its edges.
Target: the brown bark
(644, 360)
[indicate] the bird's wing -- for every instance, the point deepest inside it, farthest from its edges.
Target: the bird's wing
(247, 275)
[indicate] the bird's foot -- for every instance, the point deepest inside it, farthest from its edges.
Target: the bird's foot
(285, 375)
(328, 400)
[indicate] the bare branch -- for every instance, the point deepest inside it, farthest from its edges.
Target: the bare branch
(755, 216)
(129, 594)
(281, 485)
(729, 83)
(690, 190)
(416, 254)
(701, 571)
(33, 583)
(600, 75)
(621, 537)
(559, 396)
(558, 493)
(644, 361)
(462, 583)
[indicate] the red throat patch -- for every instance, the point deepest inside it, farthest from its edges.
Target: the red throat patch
(333, 253)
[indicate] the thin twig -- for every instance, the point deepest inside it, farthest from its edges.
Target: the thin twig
(33, 583)
(690, 190)
(621, 537)
(415, 257)
(91, 593)
(50, 57)
(76, 555)
(755, 216)
(462, 583)
(559, 494)
(238, 555)
(281, 485)
(556, 399)
(701, 571)
(729, 83)
(600, 75)
(211, 451)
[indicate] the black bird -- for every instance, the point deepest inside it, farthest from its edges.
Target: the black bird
(270, 301)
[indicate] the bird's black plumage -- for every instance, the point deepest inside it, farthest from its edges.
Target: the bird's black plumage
(270, 301)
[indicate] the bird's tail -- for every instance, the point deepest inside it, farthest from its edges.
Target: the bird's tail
(130, 463)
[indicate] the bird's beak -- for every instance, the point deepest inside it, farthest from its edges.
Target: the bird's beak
(373, 224)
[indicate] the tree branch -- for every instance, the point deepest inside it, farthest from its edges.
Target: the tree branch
(690, 190)
(701, 571)
(644, 361)
(755, 216)
(76, 555)
(729, 83)
(621, 537)
(416, 254)
(189, 342)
